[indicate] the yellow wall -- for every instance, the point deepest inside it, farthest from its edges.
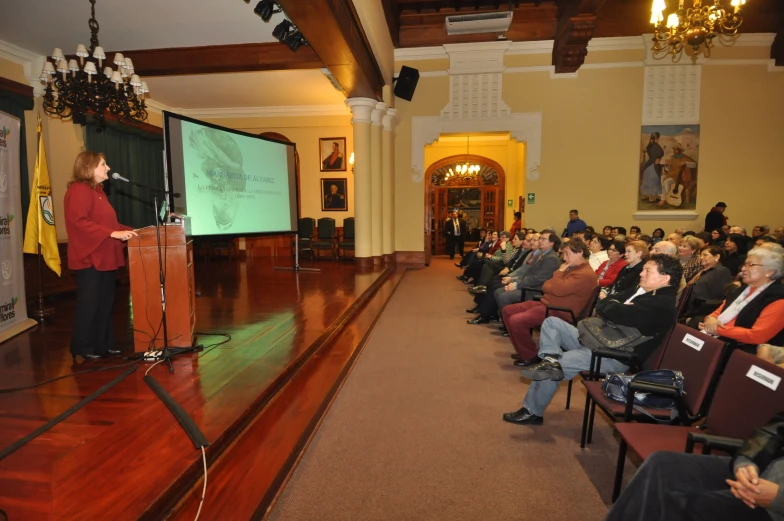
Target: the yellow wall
(305, 132)
(590, 141)
(509, 154)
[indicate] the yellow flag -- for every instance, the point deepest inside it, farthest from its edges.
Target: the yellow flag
(40, 216)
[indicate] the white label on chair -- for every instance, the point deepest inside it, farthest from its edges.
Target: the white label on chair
(693, 342)
(764, 377)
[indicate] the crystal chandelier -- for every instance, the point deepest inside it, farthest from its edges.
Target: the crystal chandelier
(694, 26)
(75, 89)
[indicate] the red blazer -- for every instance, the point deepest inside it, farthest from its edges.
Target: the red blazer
(89, 222)
(612, 272)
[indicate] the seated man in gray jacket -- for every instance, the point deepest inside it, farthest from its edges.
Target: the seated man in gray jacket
(693, 487)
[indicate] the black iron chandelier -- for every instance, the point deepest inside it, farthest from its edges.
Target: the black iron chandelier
(75, 89)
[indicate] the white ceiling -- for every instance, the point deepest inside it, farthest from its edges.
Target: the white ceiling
(247, 89)
(41, 25)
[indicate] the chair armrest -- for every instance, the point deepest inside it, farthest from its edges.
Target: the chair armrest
(563, 310)
(710, 442)
(598, 354)
(537, 298)
(526, 290)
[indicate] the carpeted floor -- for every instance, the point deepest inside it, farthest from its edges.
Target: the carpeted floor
(416, 432)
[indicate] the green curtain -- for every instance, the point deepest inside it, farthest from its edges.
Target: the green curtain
(15, 105)
(137, 155)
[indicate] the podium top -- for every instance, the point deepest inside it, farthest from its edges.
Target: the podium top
(172, 234)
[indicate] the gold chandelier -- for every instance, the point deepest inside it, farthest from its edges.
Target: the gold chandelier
(466, 170)
(693, 26)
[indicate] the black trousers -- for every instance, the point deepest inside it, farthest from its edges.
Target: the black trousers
(682, 487)
(454, 242)
(490, 270)
(93, 331)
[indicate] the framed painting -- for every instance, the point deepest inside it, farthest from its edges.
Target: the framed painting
(333, 154)
(669, 166)
(334, 194)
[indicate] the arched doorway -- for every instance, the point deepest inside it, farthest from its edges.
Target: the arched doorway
(479, 194)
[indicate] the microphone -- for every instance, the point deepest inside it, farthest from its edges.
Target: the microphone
(119, 177)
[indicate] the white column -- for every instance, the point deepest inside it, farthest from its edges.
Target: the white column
(361, 109)
(389, 122)
(375, 180)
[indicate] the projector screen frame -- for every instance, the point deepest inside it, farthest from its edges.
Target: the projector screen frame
(169, 176)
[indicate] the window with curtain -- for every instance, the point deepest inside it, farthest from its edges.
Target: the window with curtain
(137, 155)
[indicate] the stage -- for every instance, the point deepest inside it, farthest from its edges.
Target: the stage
(294, 337)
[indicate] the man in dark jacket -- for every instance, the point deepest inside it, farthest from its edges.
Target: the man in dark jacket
(692, 487)
(650, 308)
(715, 219)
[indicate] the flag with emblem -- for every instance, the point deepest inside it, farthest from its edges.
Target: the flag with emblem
(40, 216)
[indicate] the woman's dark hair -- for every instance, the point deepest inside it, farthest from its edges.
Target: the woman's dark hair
(590, 229)
(661, 233)
(605, 227)
(705, 237)
(635, 229)
(587, 236)
(667, 265)
(740, 241)
(654, 137)
(577, 245)
(518, 215)
(605, 242)
(621, 229)
(714, 249)
(620, 246)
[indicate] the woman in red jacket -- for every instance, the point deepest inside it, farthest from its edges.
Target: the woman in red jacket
(95, 251)
(609, 269)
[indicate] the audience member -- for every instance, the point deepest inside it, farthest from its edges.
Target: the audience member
(754, 313)
(672, 486)
(650, 308)
(761, 239)
(598, 246)
(483, 246)
(493, 267)
(738, 229)
(609, 269)
(687, 254)
(517, 224)
(707, 287)
(772, 354)
(575, 224)
(705, 239)
(718, 237)
(629, 276)
(736, 248)
(618, 230)
(759, 231)
(715, 219)
(607, 231)
(658, 235)
(675, 238)
(570, 287)
(634, 233)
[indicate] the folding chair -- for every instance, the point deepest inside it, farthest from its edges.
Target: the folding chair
(694, 354)
(347, 241)
(749, 393)
(305, 228)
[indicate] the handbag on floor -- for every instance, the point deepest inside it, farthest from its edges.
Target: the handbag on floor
(598, 333)
(616, 387)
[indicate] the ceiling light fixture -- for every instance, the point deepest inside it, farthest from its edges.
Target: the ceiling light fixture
(265, 9)
(75, 89)
(693, 26)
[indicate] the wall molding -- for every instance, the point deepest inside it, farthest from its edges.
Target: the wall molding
(666, 215)
(254, 112)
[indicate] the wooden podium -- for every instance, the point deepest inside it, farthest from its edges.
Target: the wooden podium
(177, 256)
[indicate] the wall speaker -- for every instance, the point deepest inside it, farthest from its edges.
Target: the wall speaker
(406, 83)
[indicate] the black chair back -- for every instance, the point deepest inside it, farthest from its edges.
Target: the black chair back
(326, 228)
(348, 229)
(305, 227)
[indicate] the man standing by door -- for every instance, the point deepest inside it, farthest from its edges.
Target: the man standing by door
(455, 231)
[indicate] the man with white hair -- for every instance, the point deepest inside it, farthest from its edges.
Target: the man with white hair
(669, 248)
(738, 229)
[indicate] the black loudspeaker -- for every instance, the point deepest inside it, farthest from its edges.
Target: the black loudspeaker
(406, 83)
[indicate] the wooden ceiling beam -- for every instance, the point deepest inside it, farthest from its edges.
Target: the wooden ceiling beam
(392, 15)
(576, 24)
(334, 31)
(221, 58)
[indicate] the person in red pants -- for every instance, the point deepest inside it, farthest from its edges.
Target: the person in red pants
(571, 287)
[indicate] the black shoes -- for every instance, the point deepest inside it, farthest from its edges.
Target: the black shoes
(458, 265)
(523, 417)
(527, 363)
(461, 277)
(113, 352)
(516, 356)
(547, 369)
(474, 309)
(478, 320)
(478, 290)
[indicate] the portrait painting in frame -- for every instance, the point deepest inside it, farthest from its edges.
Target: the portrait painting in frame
(333, 154)
(334, 194)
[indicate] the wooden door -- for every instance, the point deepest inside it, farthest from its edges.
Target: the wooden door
(439, 219)
(492, 219)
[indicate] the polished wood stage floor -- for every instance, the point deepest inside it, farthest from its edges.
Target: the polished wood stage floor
(257, 398)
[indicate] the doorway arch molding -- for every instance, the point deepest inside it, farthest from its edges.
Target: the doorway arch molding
(524, 127)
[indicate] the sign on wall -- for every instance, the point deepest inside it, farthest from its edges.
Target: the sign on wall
(13, 306)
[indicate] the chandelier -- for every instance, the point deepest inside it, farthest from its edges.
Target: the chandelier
(694, 26)
(466, 170)
(75, 89)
